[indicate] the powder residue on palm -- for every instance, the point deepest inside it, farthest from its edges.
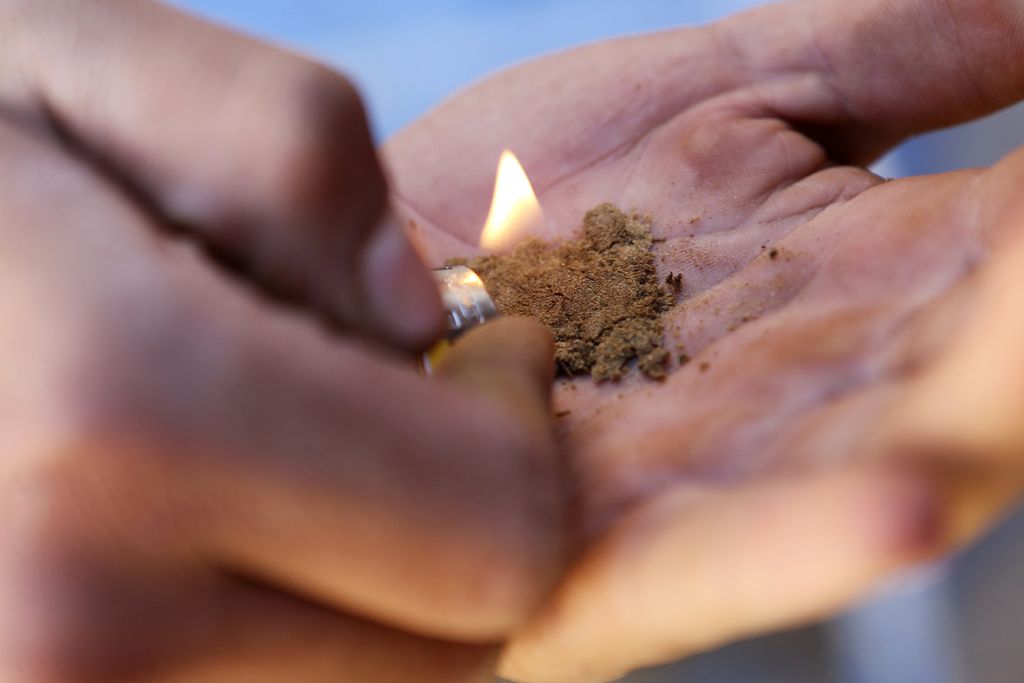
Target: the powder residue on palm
(599, 295)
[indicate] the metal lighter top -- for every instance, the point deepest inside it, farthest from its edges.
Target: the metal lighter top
(467, 304)
(465, 299)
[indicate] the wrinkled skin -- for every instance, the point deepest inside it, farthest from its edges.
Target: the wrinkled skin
(853, 398)
(211, 474)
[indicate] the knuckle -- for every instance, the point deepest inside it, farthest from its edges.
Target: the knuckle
(60, 619)
(322, 155)
(54, 421)
(74, 584)
(68, 642)
(133, 367)
(86, 353)
(80, 408)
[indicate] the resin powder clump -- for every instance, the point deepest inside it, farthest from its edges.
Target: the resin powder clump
(599, 295)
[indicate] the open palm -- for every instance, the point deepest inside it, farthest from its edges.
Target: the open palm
(829, 318)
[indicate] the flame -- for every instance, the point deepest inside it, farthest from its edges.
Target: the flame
(514, 208)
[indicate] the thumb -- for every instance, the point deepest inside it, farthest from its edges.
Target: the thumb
(965, 413)
(510, 360)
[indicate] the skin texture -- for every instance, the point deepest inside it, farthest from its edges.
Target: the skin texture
(216, 463)
(203, 481)
(853, 400)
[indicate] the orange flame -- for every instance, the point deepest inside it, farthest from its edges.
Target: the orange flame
(514, 208)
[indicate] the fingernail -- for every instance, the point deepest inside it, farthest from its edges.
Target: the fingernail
(401, 291)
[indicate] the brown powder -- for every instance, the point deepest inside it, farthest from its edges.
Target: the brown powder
(599, 295)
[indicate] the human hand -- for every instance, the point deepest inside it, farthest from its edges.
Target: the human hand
(853, 402)
(201, 482)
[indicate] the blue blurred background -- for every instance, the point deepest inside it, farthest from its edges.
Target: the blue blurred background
(957, 623)
(406, 55)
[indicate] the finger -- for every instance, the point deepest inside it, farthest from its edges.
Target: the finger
(395, 472)
(378, 471)
(264, 155)
(883, 69)
(280, 638)
(510, 359)
(335, 473)
(112, 616)
(973, 399)
(966, 413)
(696, 567)
(283, 454)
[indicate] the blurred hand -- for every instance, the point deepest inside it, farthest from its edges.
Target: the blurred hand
(853, 399)
(201, 482)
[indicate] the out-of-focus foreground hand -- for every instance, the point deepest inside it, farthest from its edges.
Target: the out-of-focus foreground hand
(200, 482)
(854, 400)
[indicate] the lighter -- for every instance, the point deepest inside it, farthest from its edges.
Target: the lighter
(467, 304)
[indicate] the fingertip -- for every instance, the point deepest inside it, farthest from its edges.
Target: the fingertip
(511, 359)
(402, 295)
(520, 343)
